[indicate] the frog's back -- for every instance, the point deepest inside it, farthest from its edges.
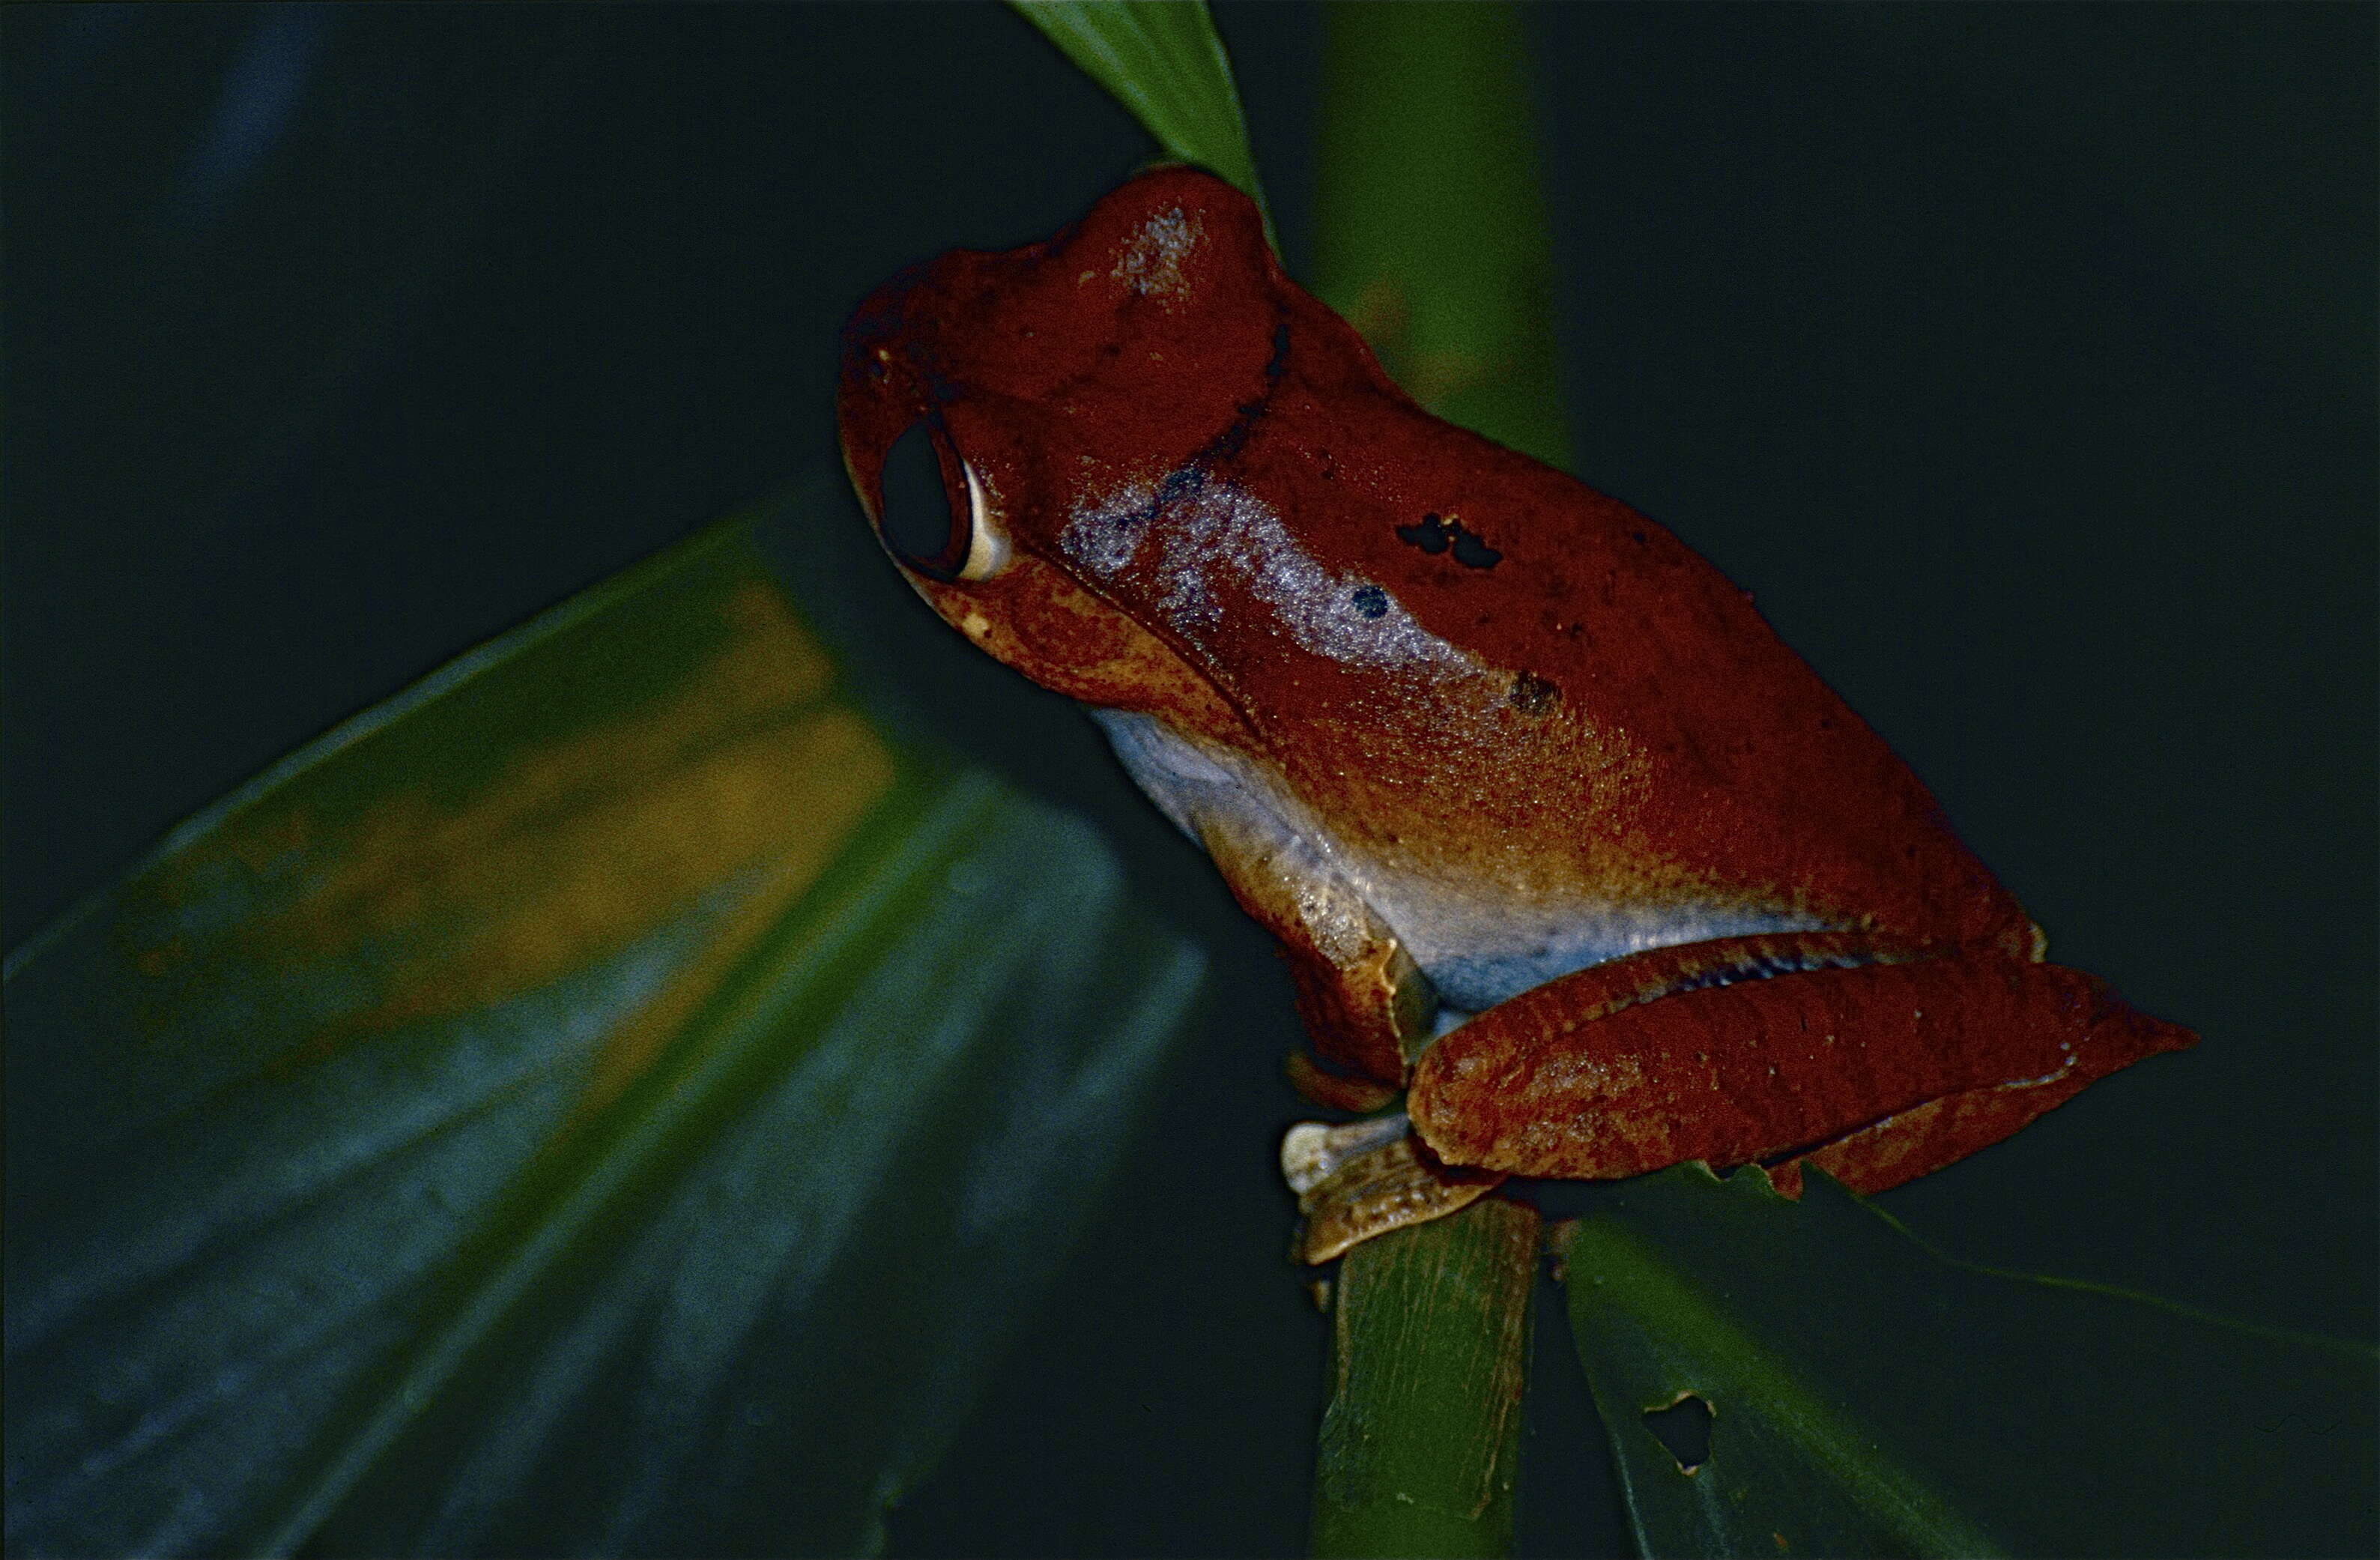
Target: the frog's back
(1491, 679)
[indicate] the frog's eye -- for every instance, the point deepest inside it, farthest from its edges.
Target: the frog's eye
(921, 525)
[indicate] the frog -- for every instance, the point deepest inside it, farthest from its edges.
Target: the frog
(1558, 838)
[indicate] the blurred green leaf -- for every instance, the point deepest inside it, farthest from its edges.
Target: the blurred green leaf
(1431, 232)
(609, 1097)
(1862, 1394)
(1161, 60)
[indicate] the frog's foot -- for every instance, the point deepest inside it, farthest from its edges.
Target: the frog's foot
(1365, 1178)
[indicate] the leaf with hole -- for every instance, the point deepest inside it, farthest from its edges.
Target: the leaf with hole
(1808, 1379)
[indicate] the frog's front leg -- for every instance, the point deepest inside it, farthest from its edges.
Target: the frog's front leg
(1366, 1005)
(1877, 1062)
(1368, 1008)
(1366, 1002)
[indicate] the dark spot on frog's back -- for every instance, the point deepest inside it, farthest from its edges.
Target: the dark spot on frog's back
(1371, 601)
(1472, 552)
(1436, 533)
(1531, 694)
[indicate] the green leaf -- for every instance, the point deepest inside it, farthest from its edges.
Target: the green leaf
(1863, 1395)
(1430, 231)
(1421, 1439)
(1161, 60)
(609, 1097)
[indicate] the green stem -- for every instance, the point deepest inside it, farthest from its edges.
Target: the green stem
(1431, 232)
(1421, 1439)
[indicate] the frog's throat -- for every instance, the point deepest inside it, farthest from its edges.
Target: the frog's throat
(1479, 941)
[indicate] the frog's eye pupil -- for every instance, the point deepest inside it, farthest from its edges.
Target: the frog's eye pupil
(920, 525)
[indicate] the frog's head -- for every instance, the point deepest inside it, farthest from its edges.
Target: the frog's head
(988, 399)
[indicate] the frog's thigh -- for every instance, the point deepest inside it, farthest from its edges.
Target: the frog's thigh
(1877, 1073)
(1366, 1004)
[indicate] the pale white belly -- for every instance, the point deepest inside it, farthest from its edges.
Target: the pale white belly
(1478, 944)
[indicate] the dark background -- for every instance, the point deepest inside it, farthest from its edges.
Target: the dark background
(2020, 359)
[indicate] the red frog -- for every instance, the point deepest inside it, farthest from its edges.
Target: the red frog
(1554, 832)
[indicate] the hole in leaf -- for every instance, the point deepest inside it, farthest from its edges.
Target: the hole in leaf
(1684, 1429)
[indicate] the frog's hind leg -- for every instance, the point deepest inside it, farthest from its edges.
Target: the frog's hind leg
(1875, 1063)
(1925, 1137)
